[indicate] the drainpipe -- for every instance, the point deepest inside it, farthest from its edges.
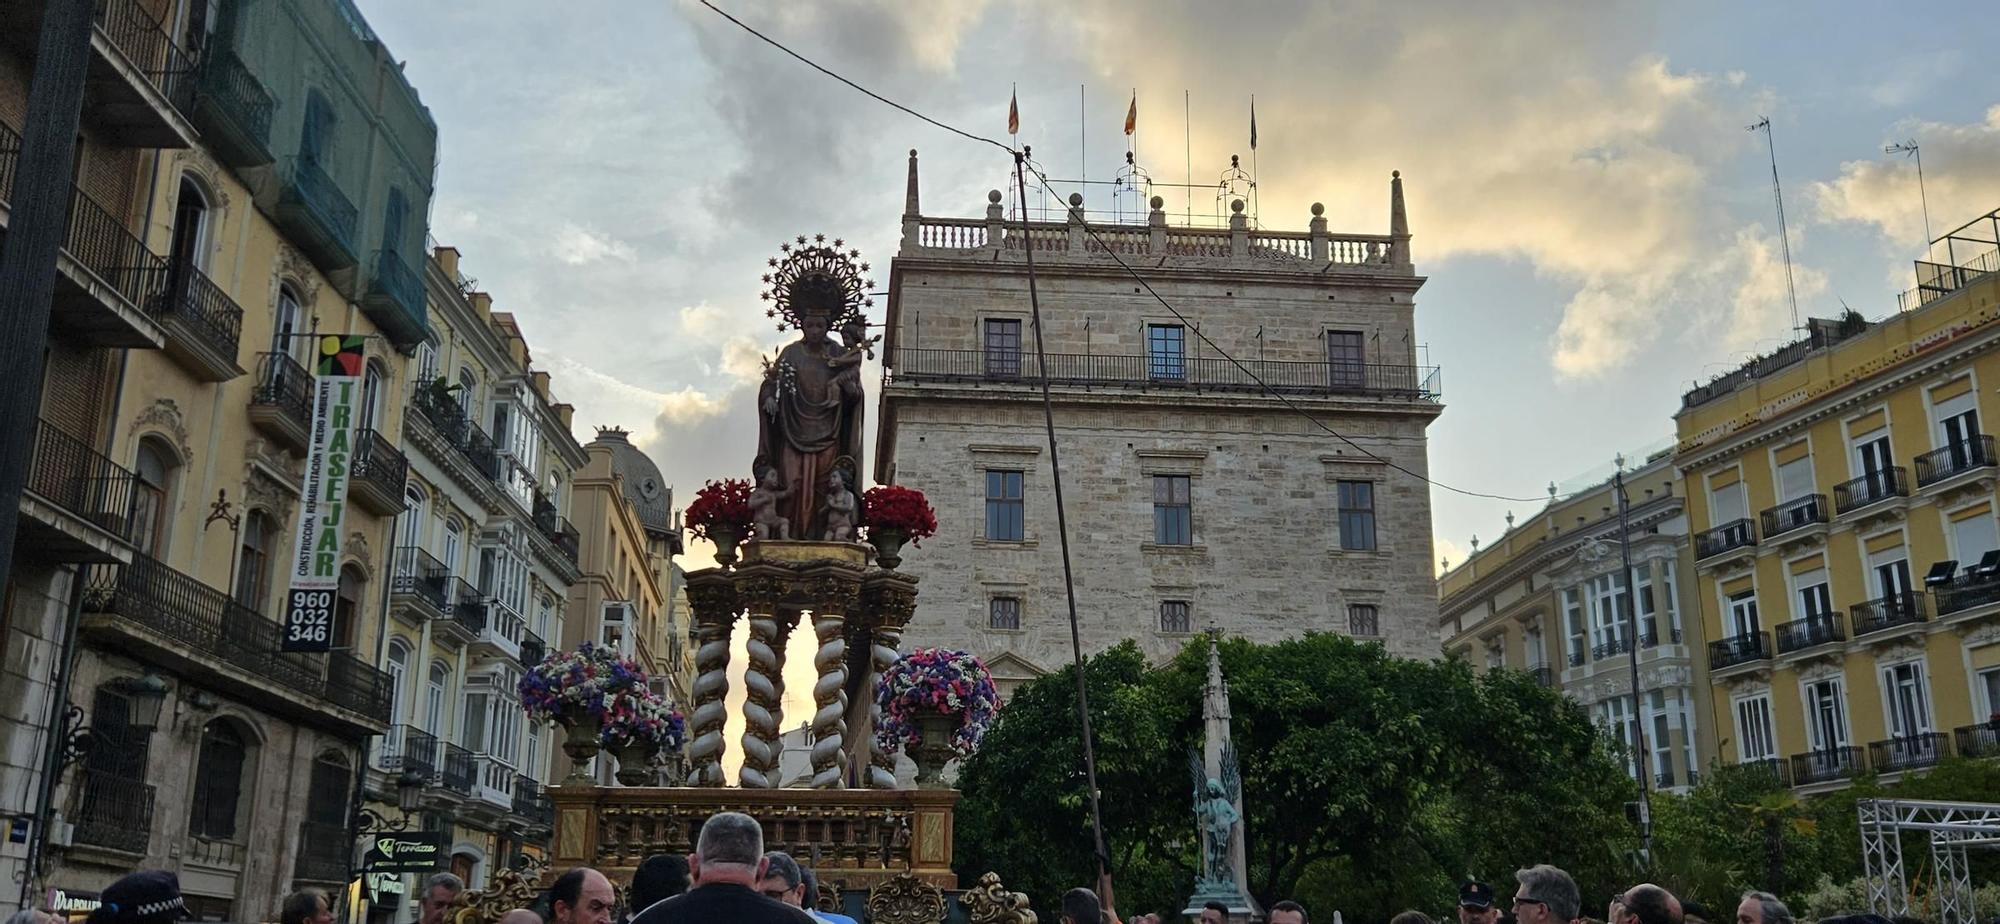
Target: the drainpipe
(52, 755)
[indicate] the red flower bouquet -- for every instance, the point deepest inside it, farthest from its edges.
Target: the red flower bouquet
(903, 509)
(722, 505)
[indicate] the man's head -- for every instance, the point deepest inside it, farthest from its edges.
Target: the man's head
(1647, 903)
(306, 906)
(1288, 912)
(659, 877)
(1214, 913)
(521, 916)
(730, 850)
(1762, 908)
(782, 879)
(581, 896)
(1545, 895)
(1080, 906)
(439, 890)
(810, 899)
(1475, 904)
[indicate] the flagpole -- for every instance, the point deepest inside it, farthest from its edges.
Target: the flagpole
(1187, 142)
(1082, 142)
(1255, 212)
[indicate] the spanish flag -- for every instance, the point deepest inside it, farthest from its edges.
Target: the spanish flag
(1132, 114)
(1014, 114)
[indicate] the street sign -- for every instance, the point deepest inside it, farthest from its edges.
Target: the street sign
(416, 852)
(337, 388)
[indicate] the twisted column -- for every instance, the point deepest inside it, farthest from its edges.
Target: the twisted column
(832, 597)
(713, 602)
(764, 681)
(889, 601)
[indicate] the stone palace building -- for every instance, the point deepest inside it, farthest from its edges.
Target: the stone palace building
(1195, 496)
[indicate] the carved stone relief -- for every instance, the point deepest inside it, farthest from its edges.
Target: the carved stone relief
(164, 417)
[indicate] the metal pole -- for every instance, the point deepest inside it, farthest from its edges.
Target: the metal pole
(42, 184)
(1638, 716)
(58, 743)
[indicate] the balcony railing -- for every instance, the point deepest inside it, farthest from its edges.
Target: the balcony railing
(1826, 764)
(456, 772)
(1665, 779)
(1800, 634)
(422, 576)
(398, 288)
(1854, 494)
(1966, 592)
(149, 594)
(529, 800)
(236, 106)
(1544, 675)
(101, 242)
(325, 851)
(1734, 534)
(1794, 514)
(1957, 458)
(1888, 612)
(286, 386)
(478, 449)
(1739, 649)
(407, 747)
(325, 217)
(146, 44)
(1778, 769)
(1908, 752)
(1982, 740)
(562, 535)
(73, 476)
(1613, 648)
(1167, 371)
(1577, 658)
(114, 812)
(533, 648)
(1650, 638)
(203, 308)
(379, 463)
(468, 607)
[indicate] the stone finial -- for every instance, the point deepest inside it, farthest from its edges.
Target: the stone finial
(1552, 490)
(1234, 161)
(1510, 521)
(1318, 209)
(1236, 206)
(1444, 564)
(1475, 543)
(910, 208)
(993, 196)
(1158, 203)
(1075, 199)
(1399, 221)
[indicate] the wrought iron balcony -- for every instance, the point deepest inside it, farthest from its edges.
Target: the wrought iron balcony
(1739, 649)
(203, 324)
(457, 770)
(106, 279)
(1794, 514)
(1966, 591)
(1650, 638)
(395, 298)
(478, 449)
(562, 535)
(1955, 459)
(1735, 534)
(467, 612)
(1778, 769)
(533, 649)
(1613, 648)
(379, 470)
(234, 109)
(423, 578)
(282, 403)
(1908, 752)
(316, 214)
(1544, 675)
(67, 473)
(113, 811)
(530, 802)
(1165, 371)
(1825, 765)
(1872, 488)
(1665, 779)
(1800, 634)
(1577, 658)
(407, 747)
(1907, 609)
(133, 117)
(1982, 740)
(325, 851)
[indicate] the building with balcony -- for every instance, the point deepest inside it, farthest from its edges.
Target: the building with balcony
(1550, 597)
(1201, 488)
(483, 566)
(1847, 551)
(169, 462)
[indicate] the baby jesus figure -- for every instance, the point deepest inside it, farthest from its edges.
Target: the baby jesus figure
(767, 521)
(854, 334)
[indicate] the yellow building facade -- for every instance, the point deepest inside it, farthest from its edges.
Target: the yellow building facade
(1841, 497)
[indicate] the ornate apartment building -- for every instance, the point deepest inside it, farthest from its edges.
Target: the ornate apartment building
(248, 174)
(1841, 493)
(484, 564)
(627, 595)
(1550, 597)
(1195, 496)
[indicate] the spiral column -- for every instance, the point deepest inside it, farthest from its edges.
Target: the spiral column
(888, 600)
(763, 680)
(833, 598)
(712, 598)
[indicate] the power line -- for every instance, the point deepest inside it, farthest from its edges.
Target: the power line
(1287, 402)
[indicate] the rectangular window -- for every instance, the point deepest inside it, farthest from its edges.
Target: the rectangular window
(1909, 707)
(1826, 715)
(1346, 359)
(1173, 510)
(1364, 621)
(1174, 616)
(1795, 479)
(1578, 629)
(1989, 680)
(1660, 742)
(1003, 347)
(1892, 574)
(1357, 515)
(1003, 613)
(1754, 738)
(1959, 429)
(1743, 614)
(1815, 600)
(1004, 519)
(1973, 537)
(1166, 352)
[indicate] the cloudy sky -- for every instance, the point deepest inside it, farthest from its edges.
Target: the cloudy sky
(1596, 223)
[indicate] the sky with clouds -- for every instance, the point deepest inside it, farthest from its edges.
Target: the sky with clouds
(1596, 223)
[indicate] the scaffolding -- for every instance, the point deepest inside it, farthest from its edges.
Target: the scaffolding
(1953, 827)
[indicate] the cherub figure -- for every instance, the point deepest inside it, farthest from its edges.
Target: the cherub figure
(840, 508)
(766, 519)
(854, 335)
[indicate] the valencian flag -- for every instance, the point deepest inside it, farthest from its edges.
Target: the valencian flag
(1014, 114)
(1132, 114)
(337, 368)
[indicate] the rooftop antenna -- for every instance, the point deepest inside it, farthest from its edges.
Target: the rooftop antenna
(1763, 124)
(1909, 149)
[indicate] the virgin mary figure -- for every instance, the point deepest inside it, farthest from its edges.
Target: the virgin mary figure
(808, 424)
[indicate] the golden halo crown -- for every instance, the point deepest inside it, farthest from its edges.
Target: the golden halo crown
(814, 279)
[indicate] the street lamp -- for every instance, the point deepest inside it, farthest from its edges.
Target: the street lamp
(409, 798)
(148, 696)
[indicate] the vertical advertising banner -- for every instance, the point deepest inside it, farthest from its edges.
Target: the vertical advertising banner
(337, 369)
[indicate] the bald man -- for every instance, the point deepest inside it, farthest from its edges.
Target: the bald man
(1645, 903)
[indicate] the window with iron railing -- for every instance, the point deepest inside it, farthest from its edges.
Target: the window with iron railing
(1174, 616)
(1003, 613)
(1363, 621)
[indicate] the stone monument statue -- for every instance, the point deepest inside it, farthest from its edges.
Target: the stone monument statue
(1215, 811)
(810, 403)
(1218, 803)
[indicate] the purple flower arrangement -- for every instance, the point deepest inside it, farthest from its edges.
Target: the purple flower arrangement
(638, 716)
(936, 681)
(576, 683)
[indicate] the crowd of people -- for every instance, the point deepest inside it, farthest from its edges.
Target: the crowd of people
(730, 877)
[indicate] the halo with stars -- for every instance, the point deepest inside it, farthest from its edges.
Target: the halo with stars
(832, 277)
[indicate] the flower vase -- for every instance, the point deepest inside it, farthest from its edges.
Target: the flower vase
(726, 539)
(635, 762)
(933, 750)
(581, 744)
(888, 546)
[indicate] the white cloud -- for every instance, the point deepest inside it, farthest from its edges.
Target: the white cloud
(577, 246)
(1961, 181)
